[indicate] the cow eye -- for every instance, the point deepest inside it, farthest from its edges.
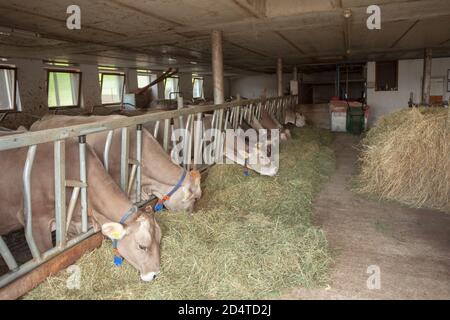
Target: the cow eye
(143, 248)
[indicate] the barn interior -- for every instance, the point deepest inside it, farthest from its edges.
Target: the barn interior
(144, 56)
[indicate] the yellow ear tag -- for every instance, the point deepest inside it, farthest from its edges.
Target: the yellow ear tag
(116, 235)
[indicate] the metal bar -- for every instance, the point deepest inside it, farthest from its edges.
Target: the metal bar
(32, 264)
(219, 141)
(132, 177)
(139, 160)
(28, 217)
(124, 157)
(83, 179)
(197, 140)
(60, 191)
(7, 255)
(156, 130)
(71, 207)
(50, 135)
(107, 149)
(166, 135)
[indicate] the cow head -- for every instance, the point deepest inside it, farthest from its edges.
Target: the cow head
(264, 165)
(184, 198)
(138, 243)
(299, 120)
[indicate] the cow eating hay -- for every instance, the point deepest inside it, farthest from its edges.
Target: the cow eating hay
(251, 237)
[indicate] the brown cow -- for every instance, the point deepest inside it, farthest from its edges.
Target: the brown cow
(159, 173)
(140, 235)
(268, 121)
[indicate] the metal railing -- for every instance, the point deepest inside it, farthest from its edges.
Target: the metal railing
(224, 116)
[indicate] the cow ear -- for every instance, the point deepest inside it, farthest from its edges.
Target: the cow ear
(113, 230)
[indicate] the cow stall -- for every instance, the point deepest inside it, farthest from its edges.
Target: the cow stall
(22, 277)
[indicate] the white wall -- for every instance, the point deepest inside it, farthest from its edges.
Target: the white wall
(410, 73)
(252, 87)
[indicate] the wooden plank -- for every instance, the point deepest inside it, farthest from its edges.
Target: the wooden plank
(29, 281)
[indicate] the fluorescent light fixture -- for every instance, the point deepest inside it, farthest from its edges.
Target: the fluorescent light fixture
(193, 62)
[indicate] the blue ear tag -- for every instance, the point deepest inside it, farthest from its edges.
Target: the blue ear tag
(246, 173)
(118, 260)
(158, 207)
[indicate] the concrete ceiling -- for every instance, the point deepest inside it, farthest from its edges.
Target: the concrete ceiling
(156, 34)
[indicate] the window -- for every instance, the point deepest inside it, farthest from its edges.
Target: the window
(171, 88)
(8, 88)
(63, 88)
(113, 86)
(386, 76)
(197, 84)
(144, 78)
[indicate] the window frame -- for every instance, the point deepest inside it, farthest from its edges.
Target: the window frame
(144, 73)
(203, 87)
(15, 106)
(396, 75)
(178, 92)
(116, 73)
(80, 81)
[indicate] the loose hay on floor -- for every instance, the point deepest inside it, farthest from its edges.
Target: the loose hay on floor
(405, 158)
(250, 238)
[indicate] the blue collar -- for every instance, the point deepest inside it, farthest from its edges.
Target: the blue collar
(117, 258)
(160, 204)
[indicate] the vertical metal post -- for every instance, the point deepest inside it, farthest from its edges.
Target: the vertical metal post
(28, 217)
(198, 140)
(219, 140)
(156, 130)
(124, 157)
(60, 192)
(107, 149)
(190, 142)
(166, 135)
(71, 206)
(83, 179)
(7, 256)
(139, 160)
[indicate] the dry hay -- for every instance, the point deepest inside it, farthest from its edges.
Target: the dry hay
(250, 238)
(406, 158)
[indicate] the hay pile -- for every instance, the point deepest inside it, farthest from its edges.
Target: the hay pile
(406, 158)
(250, 238)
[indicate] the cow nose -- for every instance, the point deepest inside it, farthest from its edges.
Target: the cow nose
(148, 276)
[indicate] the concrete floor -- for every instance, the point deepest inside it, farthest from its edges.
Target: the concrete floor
(411, 247)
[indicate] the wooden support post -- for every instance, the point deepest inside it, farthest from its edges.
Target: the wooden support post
(426, 86)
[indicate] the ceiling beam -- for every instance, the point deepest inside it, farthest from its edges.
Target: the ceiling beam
(147, 13)
(404, 33)
(292, 44)
(247, 49)
(62, 21)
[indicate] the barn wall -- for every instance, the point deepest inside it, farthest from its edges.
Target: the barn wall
(252, 87)
(32, 79)
(208, 87)
(90, 86)
(410, 74)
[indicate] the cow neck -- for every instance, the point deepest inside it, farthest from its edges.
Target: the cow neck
(161, 167)
(108, 199)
